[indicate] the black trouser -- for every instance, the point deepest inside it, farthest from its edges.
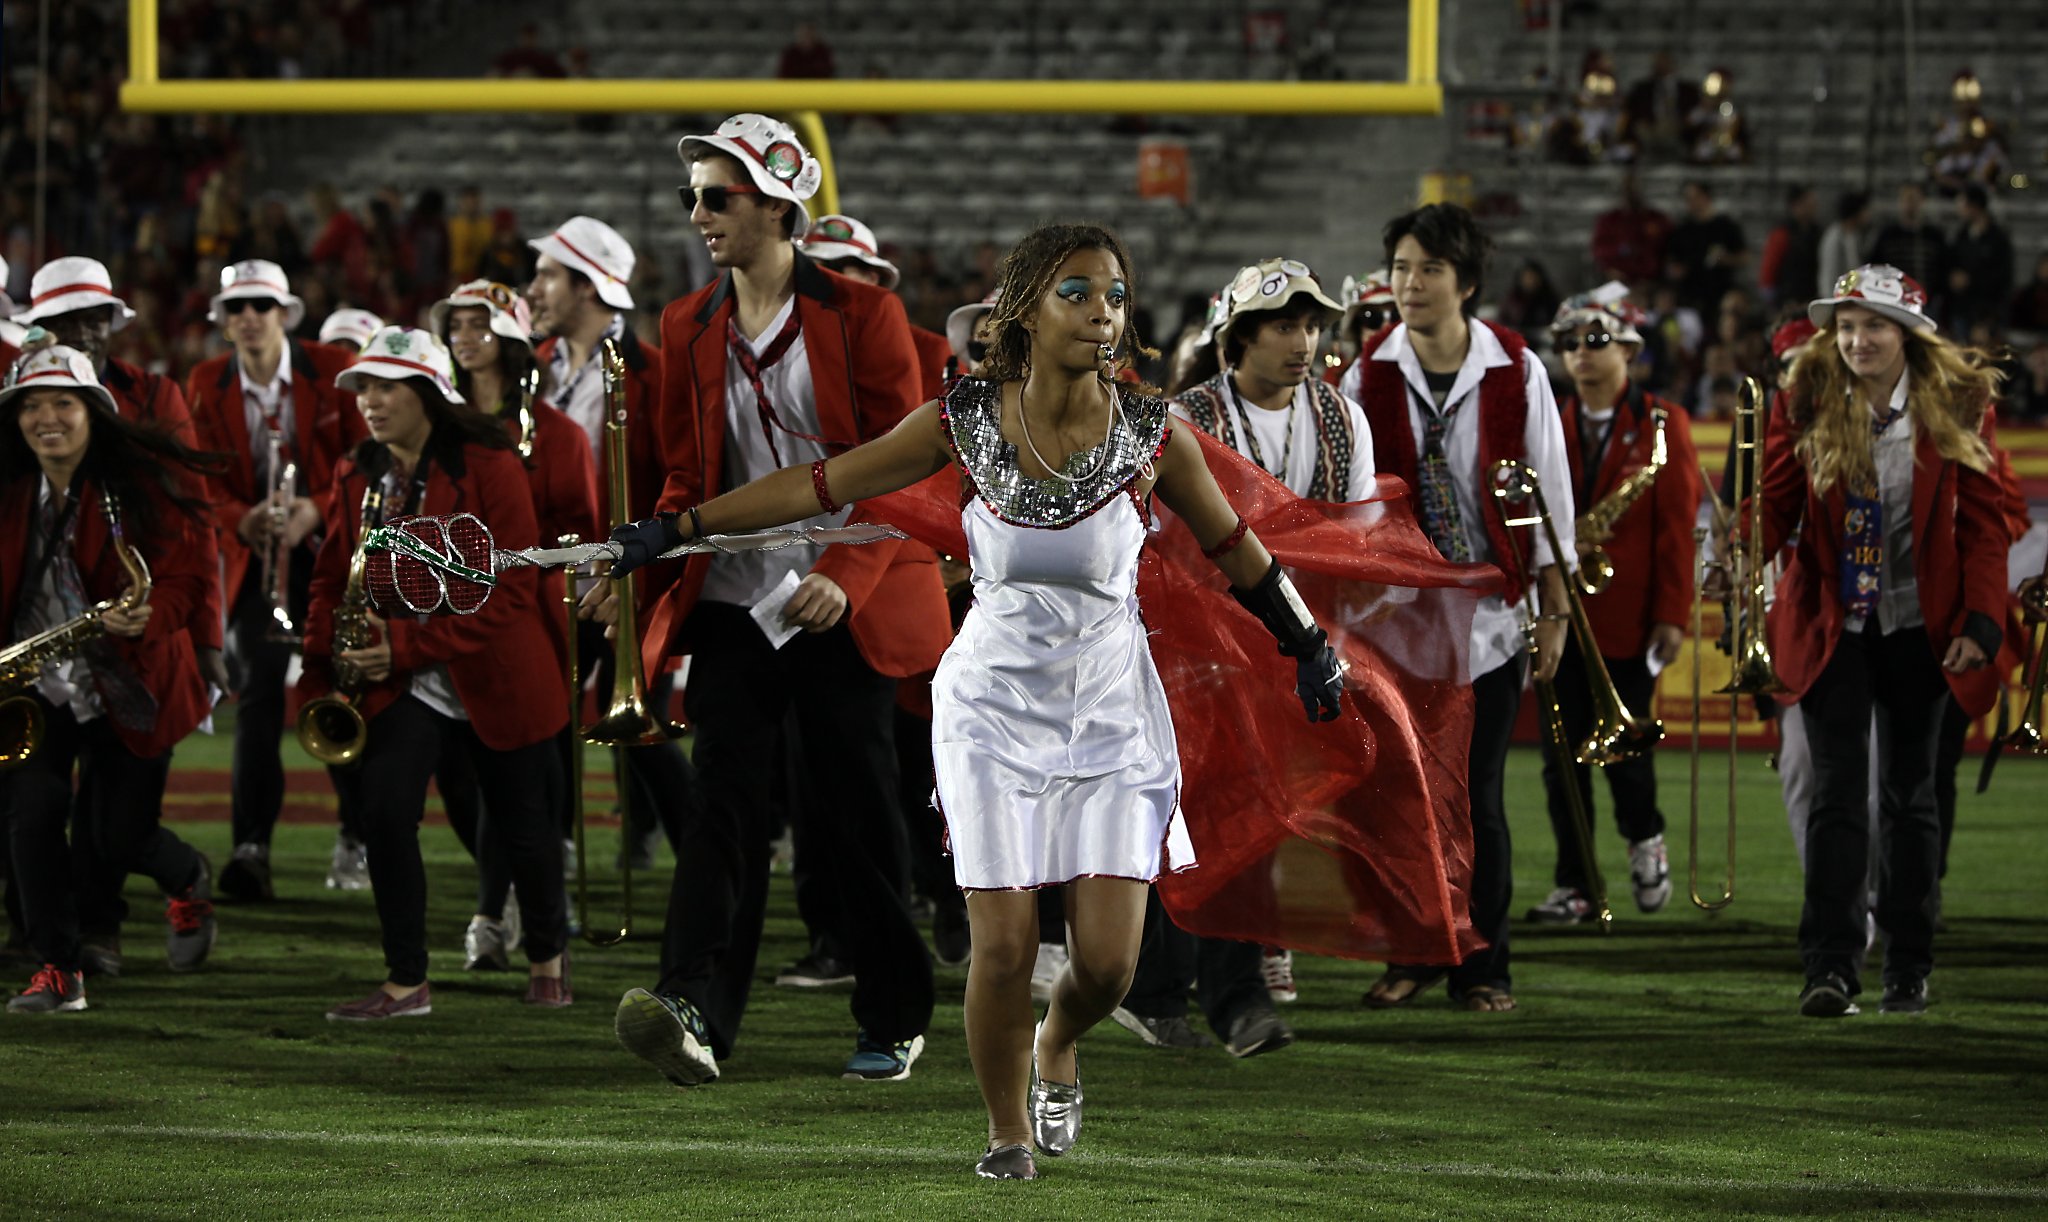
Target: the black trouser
(931, 874)
(1228, 977)
(256, 792)
(1632, 783)
(1895, 674)
(1496, 698)
(116, 830)
(407, 741)
(1955, 729)
(738, 693)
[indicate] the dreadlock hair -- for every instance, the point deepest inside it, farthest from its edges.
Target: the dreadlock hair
(1026, 276)
(455, 425)
(131, 461)
(1950, 388)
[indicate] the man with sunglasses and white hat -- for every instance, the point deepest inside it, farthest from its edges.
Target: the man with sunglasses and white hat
(1368, 308)
(779, 362)
(580, 296)
(270, 405)
(349, 329)
(1267, 403)
(839, 243)
(1612, 428)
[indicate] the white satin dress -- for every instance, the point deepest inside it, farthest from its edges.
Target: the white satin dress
(1051, 737)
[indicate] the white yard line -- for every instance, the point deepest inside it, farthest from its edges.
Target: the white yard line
(780, 1153)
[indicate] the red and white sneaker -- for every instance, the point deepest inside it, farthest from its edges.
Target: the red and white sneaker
(1277, 965)
(381, 1005)
(50, 991)
(191, 931)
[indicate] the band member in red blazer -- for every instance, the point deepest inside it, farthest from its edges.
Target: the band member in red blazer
(1893, 599)
(1611, 431)
(487, 329)
(839, 243)
(475, 683)
(580, 297)
(73, 298)
(272, 395)
(72, 475)
(780, 362)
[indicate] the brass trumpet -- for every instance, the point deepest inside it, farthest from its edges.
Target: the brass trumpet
(22, 663)
(630, 721)
(1617, 733)
(1751, 670)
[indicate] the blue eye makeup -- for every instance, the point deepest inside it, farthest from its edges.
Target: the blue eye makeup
(1073, 285)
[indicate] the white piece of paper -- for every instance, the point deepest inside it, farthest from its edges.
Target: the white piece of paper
(768, 612)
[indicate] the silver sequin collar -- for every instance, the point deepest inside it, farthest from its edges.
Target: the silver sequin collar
(973, 411)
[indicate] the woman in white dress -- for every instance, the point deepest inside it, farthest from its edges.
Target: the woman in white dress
(1054, 748)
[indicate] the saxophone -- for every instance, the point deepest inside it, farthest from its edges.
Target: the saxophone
(331, 727)
(1596, 525)
(22, 663)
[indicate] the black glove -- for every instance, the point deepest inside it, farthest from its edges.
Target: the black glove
(642, 541)
(1319, 681)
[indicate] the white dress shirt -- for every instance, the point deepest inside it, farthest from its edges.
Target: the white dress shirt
(579, 393)
(1898, 582)
(1496, 627)
(746, 577)
(259, 404)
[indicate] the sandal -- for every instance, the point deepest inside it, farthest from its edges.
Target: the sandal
(1417, 979)
(1485, 999)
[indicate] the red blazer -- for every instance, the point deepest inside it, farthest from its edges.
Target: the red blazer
(152, 399)
(325, 426)
(1652, 547)
(1960, 543)
(162, 656)
(933, 351)
(501, 659)
(865, 373)
(646, 472)
(563, 481)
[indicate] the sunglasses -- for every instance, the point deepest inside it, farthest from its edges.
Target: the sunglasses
(714, 199)
(1372, 318)
(235, 305)
(977, 351)
(1594, 343)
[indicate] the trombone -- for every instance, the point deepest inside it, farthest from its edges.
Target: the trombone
(630, 721)
(1751, 672)
(1617, 733)
(2028, 735)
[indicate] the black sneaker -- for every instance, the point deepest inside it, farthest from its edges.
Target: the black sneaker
(815, 971)
(1258, 1029)
(951, 941)
(246, 877)
(1904, 997)
(101, 956)
(1175, 1032)
(1828, 997)
(667, 1033)
(190, 930)
(50, 991)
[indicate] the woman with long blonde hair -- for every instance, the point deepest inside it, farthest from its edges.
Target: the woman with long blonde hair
(1894, 598)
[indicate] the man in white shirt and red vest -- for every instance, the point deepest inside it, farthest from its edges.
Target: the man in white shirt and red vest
(1447, 396)
(780, 363)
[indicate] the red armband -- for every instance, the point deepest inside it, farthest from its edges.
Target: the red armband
(1230, 541)
(825, 501)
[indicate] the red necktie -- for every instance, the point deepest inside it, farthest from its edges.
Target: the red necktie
(754, 367)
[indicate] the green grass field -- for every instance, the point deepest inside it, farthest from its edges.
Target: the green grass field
(1657, 1071)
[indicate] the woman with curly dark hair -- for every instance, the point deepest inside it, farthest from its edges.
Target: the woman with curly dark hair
(1054, 748)
(1894, 598)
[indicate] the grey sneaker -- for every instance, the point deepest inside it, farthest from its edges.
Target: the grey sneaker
(1162, 1032)
(486, 946)
(50, 991)
(349, 868)
(1256, 1030)
(247, 874)
(643, 852)
(189, 915)
(1650, 869)
(667, 1033)
(1564, 906)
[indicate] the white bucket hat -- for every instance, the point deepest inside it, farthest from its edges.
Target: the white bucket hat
(961, 322)
(257, 280)
(398, 353)
(72, 283)
(835, 237)
(1375, 288)
(595, 249)
(510, 316)
(351, 326)
(6, 302)
(55, 367)
(1269, 285)
(1607, 306)
(1881, 289)
(775, 159)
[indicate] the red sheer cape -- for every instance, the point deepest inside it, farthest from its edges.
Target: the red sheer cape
(1349, 838)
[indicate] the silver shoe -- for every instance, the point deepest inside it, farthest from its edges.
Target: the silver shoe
(1055, 1109)
(349, 868)
(1007, 1163)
